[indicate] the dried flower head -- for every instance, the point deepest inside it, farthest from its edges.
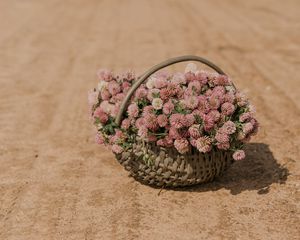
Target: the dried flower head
(203, 144)
(195, 109)
(238, 155)
(182, 145)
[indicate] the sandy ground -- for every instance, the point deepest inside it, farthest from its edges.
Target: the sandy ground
(55, 183)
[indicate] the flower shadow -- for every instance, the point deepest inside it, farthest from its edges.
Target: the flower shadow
(256, 172)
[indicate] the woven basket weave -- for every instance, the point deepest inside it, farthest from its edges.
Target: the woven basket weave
(169, 168)
(165, 166)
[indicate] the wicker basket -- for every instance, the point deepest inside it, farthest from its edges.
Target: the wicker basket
(165, 166)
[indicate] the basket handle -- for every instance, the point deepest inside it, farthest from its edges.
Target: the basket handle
(154, 69)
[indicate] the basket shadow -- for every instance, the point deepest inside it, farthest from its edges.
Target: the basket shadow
(257, 172)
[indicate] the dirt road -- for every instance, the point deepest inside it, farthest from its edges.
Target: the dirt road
(55, 183)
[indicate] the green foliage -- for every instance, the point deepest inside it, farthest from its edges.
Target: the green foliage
(96, 121)
(198, 119)
(142, 103)
(180, 109)
(109, 127)
(155, 95)
(158, 112)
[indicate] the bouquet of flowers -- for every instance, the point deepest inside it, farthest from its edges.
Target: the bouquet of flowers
(195, 110)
